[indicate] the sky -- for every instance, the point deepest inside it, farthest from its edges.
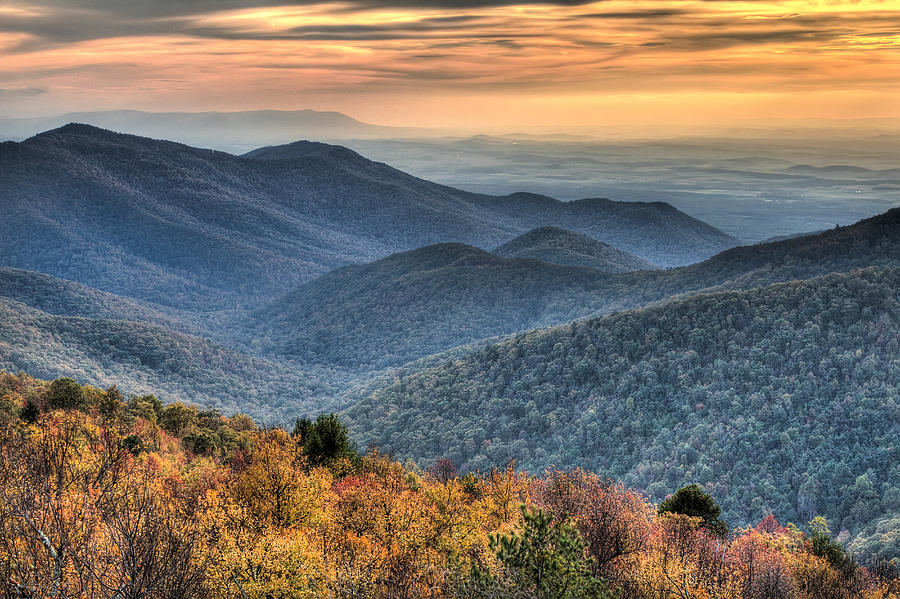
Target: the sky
(458, 63)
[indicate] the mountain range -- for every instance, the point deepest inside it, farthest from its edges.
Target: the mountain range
(227, 131)
(191, 228)
(794, 386)
(424, 301)
(625, 337)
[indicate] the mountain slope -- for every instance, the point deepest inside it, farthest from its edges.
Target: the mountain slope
(419, 302)
(873, 241)
(186, 227)
(559, 246)
(153, 220)
(794, 385)
(139, 357)
(641, 228)
(66, 298)
(424, 301)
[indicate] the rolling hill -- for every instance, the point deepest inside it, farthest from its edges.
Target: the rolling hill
(342, 326)
(193, 228)
(139, 357)
(417, 303)
(559, 246)
(67, 298)
(793, 385)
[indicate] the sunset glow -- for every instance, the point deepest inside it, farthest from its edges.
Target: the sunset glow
(458, 63)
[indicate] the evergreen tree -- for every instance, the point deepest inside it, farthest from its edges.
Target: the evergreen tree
(544, 559)
(65, 394)
(697, 503)
(824, 546)
(112, 402)
(30, 412)
(324, 440)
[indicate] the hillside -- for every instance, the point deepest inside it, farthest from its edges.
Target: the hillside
(637, 227)
(359, 318)
(67, 298)
(793, 386)
(420, 302)
(132, 497)
(193, 228)
(424, 301)
(559, 246)
(140, 358)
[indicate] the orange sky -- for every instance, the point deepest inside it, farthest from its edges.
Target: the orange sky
(458, 63)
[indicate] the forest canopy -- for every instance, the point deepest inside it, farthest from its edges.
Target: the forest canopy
(112, 497)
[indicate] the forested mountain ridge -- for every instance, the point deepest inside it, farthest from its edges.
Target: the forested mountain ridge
(67, 298)
(192, 228)
(424, 301)
(419, 302)
(872, 241)
(640, 228)
(166, 222)
(793, 385)
(140, 357)
(559, 246)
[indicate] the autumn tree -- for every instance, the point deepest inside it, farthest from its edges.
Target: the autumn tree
(271, 485)
(102, 504)
(613, 521)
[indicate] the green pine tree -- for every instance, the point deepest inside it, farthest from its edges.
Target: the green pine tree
(543, 559)
(697, 503)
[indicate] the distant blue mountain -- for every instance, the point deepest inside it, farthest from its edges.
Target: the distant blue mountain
(186, 227)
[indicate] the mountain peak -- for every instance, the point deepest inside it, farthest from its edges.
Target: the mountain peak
(439, 255)
(82, 132)
(550, 230)
(305, 149)
(561, 246)
(79, 129)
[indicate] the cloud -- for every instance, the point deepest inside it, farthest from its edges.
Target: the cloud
(686, 27)
(156, 9)
(636, 14)
(21, 91)
(117, 48)
(68, 23)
